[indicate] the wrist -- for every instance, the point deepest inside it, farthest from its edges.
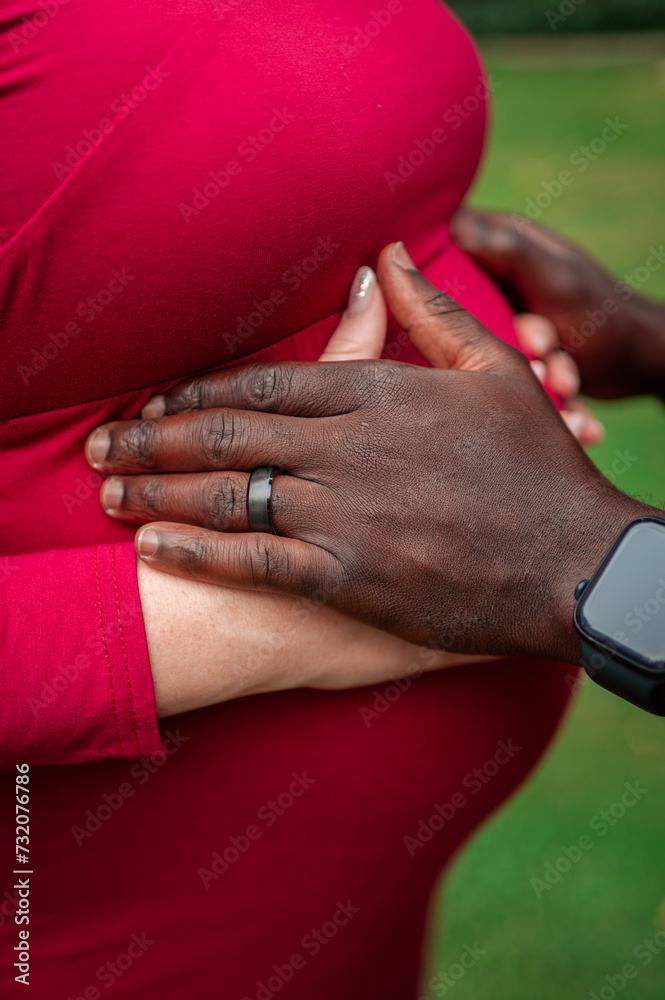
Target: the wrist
(192, 635)
(587, 539)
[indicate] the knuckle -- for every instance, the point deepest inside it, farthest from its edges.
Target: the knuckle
(519, 359)
(456, 318)
(441, 306)
(226, 501)
(439, 302)
(195, 553)
(191, 396)
(266, 385)
(389, 377)
(217, 434)
(267, 559)
(152, 496)
(137, 443)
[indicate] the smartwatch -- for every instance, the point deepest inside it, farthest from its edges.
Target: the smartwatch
(620, 616)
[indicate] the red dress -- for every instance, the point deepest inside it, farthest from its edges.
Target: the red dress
(186, 184)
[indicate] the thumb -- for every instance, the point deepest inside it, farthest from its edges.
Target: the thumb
(361, 332)
(495, 240)
(445, 334)
(538, 270)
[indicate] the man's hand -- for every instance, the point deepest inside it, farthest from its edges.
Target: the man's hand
(616, 336)
(450, 506)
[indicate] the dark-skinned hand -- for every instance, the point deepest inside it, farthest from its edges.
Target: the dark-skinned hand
(615, 335)
(450, 506)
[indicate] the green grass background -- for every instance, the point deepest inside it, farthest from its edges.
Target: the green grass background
(587, 925)
(582, 15)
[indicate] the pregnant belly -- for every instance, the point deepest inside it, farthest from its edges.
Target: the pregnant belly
(305, 823)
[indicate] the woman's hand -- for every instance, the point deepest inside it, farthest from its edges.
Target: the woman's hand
(557, 371)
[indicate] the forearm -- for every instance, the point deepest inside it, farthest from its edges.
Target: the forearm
(189, 627)
(211, 643)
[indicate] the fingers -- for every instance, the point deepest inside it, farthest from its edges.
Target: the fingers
(214, 500)
(491, 238)
(503, 243)
(563, 376)
(532, 264)
(361, 332)
(536, 335)
(444, 333)
(582, 424)
(560, 374)
(250, 562)
(557, 370)
(202, 442)
(306, 389)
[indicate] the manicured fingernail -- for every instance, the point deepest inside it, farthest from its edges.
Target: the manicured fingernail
(401, 257)
(111, 494)
(576, 422)
(362, 292)
(147, 543)
(539, 342)
(155, 407)
(539, 370)
(570, 383)
(99, 445)
(535, 333)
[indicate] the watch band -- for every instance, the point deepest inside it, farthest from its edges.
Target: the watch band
(642, 690)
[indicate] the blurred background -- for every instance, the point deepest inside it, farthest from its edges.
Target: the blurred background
(561, 71)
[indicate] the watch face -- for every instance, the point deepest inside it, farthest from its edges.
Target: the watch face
(625, 603)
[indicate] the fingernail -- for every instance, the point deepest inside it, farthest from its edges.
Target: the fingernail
(362, 291)
(571, 383)
(539, 342)
(536, 334)
(99, 445)
(539, 369)
(147, 543)
(155, 407)
(112, 494)
(576, 422)
(401, 257)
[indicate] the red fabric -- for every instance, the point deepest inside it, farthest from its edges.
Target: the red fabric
(121, 271)
(71, 687)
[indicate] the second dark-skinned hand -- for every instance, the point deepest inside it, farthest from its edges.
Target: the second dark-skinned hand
(615, 334)
(450, 505)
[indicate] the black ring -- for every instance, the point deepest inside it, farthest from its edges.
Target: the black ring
(259, 498)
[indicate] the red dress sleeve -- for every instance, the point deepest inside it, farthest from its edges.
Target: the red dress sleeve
(74, 663)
